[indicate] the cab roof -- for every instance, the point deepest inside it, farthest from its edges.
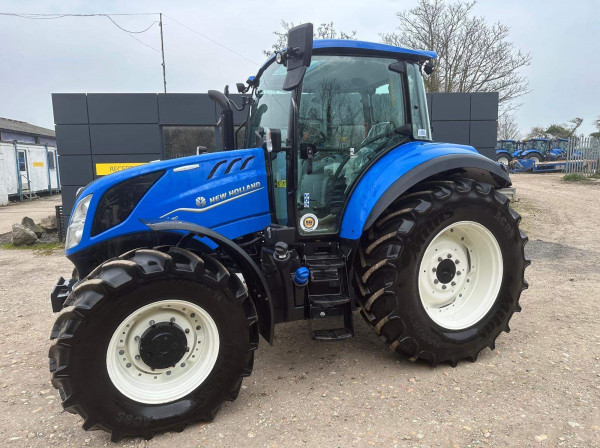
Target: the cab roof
(372, 47)
(362, 47)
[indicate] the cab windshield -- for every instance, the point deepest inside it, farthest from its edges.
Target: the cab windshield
(508, 146)
(539, 145)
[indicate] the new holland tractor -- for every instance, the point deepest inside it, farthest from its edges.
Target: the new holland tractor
(341, 203)
(535, 149)
(505, 150)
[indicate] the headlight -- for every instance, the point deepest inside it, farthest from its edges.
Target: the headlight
(75, 230)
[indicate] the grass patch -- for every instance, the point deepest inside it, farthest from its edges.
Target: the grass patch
(38, 248)
(574, 177)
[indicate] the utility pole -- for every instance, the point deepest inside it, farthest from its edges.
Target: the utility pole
(162, 50)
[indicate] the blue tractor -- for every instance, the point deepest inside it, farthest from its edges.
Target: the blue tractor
(558, 149)
(340, 203)
(505, 150)
(534, 149)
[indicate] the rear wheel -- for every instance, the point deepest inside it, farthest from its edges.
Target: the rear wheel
(440, 273)
(153, 341)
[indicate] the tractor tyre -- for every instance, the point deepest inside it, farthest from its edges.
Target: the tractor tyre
(504, 159)
(439, 274)
(152, 341)
(535, 157)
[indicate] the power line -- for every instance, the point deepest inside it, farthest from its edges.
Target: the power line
(212, 40)
(128, 31)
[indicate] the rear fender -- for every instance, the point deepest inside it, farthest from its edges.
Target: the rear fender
(406, 166)
(256, 283)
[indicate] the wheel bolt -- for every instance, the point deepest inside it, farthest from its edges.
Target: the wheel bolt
(187, 330)
(434, 270)
(172, 320)
(198, 327)
(456, 261)
(193, 315)
(440, 259)
(443, 286)
(121, 352)
(449, 255)
(168, 372)
(436, 281)
(136, 339)
(151, 322)
(137, 356)
(128, 365)
(458, 273)
(183, 364)
(187, 349)
(453, 283)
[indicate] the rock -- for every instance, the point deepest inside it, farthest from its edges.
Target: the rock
(541, 438)
(22, 236)
(49, 223)
(28, 222)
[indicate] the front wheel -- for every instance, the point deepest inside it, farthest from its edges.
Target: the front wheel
(440, 273)
(153, 341)
(504, 159)
(535, 157)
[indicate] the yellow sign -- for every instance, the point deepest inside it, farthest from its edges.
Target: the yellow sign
(102, 169)
(280, 183)
(38, 164)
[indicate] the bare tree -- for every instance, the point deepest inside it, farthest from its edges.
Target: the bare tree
(508, 128)
(323, 31)
(473, 55)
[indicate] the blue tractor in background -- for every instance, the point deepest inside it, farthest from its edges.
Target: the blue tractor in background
(534, 149)
(558, 149)
(505, 150)
(340, 203)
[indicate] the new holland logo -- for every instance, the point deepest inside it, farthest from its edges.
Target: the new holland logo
(309, 222)
(204, 204)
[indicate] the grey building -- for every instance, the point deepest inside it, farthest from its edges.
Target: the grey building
(22, 132)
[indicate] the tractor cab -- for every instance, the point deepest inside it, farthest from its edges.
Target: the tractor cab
(357, 100)
(505, 150)
(535, 149)
(558, 148)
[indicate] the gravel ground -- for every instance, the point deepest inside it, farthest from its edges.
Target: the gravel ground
(540, 387)
(36, 210)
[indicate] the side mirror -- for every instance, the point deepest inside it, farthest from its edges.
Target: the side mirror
(273, 141)
(298, 54)
(241, 87)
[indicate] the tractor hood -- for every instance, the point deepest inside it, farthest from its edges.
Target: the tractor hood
(224, 191)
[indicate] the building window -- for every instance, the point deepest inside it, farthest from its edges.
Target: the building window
(13, 136)
(22, 163)
(51, 160)
(182, 141)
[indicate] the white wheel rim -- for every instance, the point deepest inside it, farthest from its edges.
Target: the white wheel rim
(535, 160)
(136, 380)
(477, 259)
(503, 161)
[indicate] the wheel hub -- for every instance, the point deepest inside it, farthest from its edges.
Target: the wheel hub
(163, 345)
(446, 271)
(460, 275)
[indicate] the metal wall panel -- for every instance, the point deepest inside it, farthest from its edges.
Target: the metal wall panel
(126, 139)
(70, 108)
(451, 131)
(484, 106)
(75, 170)
(112, 108)
(483, 134)
(73, 139)
(451, 106)
(186, 109)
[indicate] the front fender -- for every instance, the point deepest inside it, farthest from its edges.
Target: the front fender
(531, 151)
(256, 283)
(406, 166)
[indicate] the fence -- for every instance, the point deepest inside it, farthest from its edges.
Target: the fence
(583, 156)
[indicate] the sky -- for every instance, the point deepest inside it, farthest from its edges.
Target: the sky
(90, 54)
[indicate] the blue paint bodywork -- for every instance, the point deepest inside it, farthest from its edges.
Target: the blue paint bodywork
(174, 195)
(373, 47)
(395, 164)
